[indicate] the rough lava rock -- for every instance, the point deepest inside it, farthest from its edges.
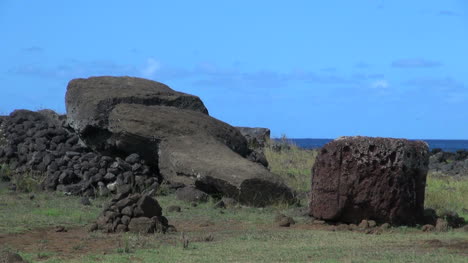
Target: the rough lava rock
(449, 163)
(135, 213)
(39, 144)
(101, 94)
(191, 195)
(173, 132)
(383, 179)
(256, 137)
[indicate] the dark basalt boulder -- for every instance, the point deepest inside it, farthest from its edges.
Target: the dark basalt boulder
(357, 178)
(173, 132)
(191, 195)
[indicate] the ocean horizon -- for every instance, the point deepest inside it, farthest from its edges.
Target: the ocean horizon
(444, 145)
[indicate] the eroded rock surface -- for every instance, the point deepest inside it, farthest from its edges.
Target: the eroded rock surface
(257, 139)
(383, 179)
(173, 132)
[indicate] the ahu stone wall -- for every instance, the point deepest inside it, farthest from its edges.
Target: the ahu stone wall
(40, 143)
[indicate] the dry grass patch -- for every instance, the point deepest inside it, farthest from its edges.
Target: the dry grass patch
(292, 163)
(447, 193)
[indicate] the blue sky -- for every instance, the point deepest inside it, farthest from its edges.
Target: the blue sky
(307, 69)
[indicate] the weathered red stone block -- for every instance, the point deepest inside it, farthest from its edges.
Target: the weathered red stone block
(382, 179)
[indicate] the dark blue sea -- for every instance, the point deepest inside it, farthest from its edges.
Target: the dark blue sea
(445, 145)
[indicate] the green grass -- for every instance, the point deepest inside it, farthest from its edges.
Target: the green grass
(293, 165)
(242, 234)
(19, 214)
(285, 245)
(447, 193)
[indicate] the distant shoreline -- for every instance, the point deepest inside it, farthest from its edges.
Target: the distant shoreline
(444, 145)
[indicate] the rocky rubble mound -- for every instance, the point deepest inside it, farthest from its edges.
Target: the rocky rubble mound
(136, 213)
(442, 222)
(38, 142)
(381, 179)
(449, 163)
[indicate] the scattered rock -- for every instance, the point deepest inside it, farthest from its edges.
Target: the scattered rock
(85, 201)
(385, 226)
(171, 229)
(60, 229)
(427, 228)
(284, 221)
(441, 225)
(191, 194)
(453, 219)
(10, 257)
(318, 222)
(342, 227)
(206, 224)
(364, 224)
(229, 202)
(388, 175)
(93, 227)
(208, 238)
(219, 204)
(174, 208)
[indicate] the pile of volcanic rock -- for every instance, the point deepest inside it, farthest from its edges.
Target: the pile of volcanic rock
(449, 163)
(40, 143)
(136, 213)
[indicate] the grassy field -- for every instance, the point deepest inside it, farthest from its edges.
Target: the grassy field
(447, 194)
(293, 164)
(235, 234)
(238, 234)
